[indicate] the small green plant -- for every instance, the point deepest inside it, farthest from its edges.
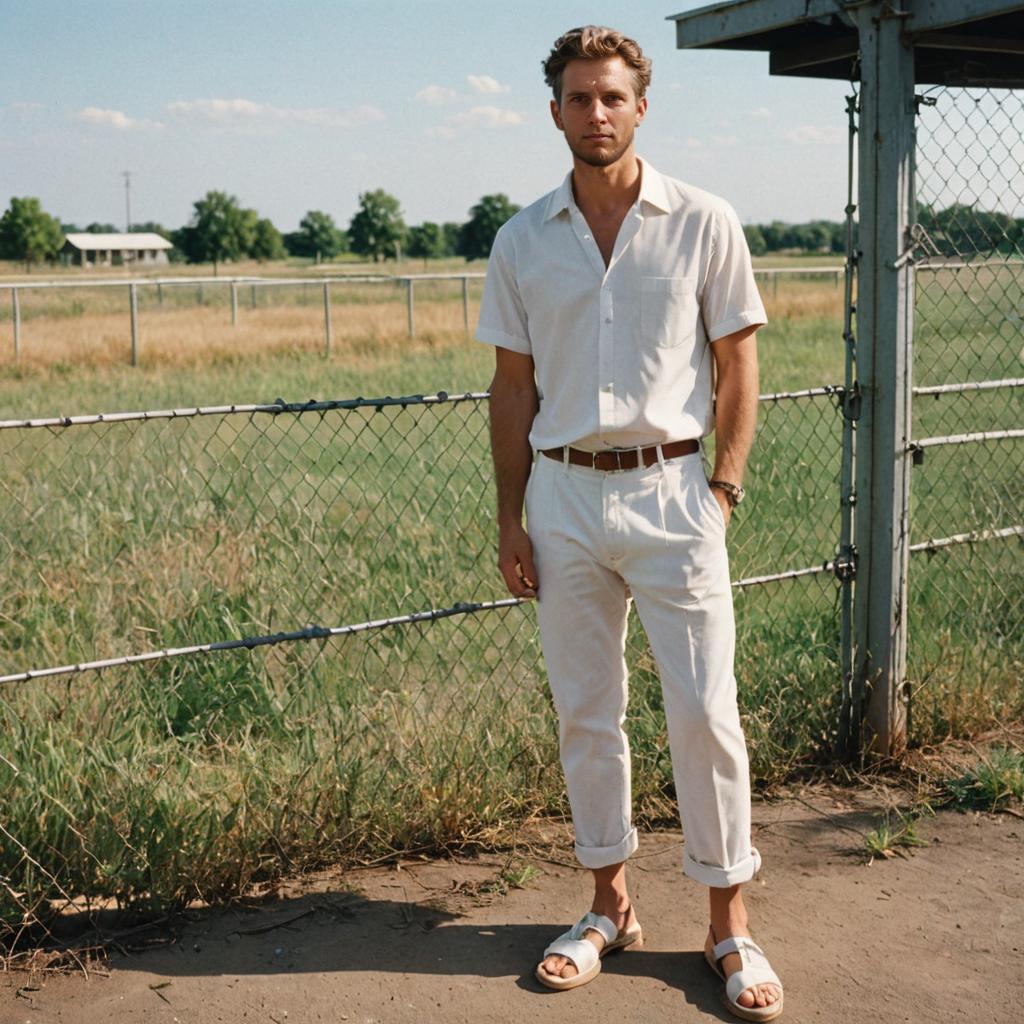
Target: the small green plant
(887, 839)
(994, 781)
(518, 876)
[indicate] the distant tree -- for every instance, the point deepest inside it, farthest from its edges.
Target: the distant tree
(152, 227)
(186, 244)
(774, 235)
(377, 229)
(755, 240)
(267, 243)
(319, 236)
(222, 229)
(477, 235)
(101, 229)
(451, 237)
(427, 241)
(28, 233)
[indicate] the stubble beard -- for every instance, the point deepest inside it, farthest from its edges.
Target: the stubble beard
(599, 158)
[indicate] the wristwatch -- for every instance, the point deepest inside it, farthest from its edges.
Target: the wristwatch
(733, 492)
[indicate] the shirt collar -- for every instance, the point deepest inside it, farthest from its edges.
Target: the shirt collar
(652, 192)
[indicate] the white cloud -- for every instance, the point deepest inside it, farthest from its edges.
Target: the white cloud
(242, 115)
(115, 119)
(24, 107)
(810, 133)
(761, 114)
(485, 84)
(724, 140)
(694, 143)
(436, 95)
(488, 117)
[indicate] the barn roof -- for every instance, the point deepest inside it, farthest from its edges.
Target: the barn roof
(133, 241)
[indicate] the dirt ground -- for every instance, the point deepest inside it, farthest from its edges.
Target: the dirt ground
(936, 934)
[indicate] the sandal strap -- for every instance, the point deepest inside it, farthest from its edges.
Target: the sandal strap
(583, 954)
(571, 944)
(748, 977)
(747, 948)
(590, 921)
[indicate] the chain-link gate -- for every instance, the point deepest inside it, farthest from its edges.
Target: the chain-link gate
(967, 495)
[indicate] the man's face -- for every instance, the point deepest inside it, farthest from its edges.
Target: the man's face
(599, 111)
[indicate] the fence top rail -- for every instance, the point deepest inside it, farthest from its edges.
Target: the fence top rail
(281, 406)
(272, 408)
(980, 385)
(472, 275)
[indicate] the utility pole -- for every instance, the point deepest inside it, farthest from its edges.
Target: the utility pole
(128, 199)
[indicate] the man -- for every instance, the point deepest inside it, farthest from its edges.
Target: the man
(619, 306)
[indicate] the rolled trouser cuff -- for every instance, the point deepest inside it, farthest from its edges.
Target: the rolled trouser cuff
(719, 877)
(604, 856)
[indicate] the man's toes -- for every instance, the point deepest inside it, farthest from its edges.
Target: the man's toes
(559, 967)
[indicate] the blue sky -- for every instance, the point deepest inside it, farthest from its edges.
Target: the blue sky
(297, 106)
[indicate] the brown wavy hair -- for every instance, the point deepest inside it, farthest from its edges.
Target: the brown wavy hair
(596, 42)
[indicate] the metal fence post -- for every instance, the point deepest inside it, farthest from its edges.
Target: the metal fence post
(159, 293)
(327, 319)
(16, 316)
(465, 304)
(885, 331)
(409, 301)
(252, 296)
(134, 305)
(234, 304)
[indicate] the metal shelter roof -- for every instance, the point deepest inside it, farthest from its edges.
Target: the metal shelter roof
(956, 42)
(132, 241)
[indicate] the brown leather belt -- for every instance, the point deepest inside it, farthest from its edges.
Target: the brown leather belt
(623, 458)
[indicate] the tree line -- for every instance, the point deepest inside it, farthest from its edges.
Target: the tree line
(221, 230)
(957, 230)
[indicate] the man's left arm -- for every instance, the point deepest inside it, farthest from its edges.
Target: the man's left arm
(736, 390)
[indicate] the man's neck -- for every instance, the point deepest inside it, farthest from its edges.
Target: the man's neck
(607, 189)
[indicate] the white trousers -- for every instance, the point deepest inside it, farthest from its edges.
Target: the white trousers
(659, 531)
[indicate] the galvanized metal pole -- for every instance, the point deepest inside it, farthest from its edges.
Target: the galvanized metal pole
(465, 304)
(885, 304)
(234, 304)
(160, 293)
(409, 300)
(134, 305)
(252, 296)
(327, 319)
(16, 316)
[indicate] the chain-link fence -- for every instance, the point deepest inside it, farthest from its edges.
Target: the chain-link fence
(134, 540)
(968, 412)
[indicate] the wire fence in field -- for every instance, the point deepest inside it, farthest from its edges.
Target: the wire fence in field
(415, 304)
(968, 410)
(311, 588)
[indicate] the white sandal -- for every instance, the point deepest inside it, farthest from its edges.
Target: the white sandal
(583, 954)
(755, 971)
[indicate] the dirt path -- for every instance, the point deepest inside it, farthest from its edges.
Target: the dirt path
(937, 935)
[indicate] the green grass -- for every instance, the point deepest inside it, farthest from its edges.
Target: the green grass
(192, 777)
(992, 783)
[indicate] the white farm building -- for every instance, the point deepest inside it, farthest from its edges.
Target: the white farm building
(143, 248)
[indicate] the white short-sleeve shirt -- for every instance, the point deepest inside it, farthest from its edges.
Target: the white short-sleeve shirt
(621, 355)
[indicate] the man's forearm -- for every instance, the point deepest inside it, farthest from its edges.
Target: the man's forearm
(735, 416)
(512, 412)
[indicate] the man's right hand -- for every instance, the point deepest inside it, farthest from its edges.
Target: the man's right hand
(515, 560)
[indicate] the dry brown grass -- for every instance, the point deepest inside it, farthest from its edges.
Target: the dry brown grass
(363, 330)
(190, 337)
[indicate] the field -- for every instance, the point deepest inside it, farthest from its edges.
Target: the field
(191, 777)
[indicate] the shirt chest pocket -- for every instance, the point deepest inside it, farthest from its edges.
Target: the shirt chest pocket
(668, 310)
